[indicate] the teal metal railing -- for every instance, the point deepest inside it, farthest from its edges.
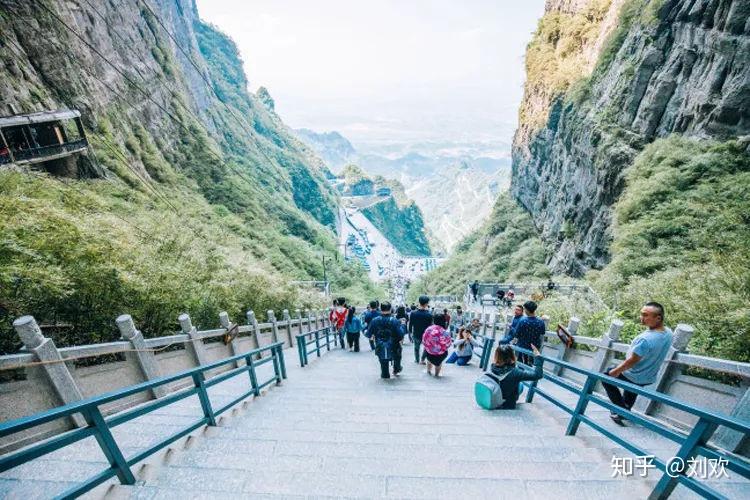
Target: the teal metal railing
(314, 338)
(691, 444)
(100, 427)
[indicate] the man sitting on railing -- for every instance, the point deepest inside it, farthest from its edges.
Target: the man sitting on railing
(644, 357)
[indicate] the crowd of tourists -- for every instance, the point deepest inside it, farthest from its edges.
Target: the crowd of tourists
(439, 337)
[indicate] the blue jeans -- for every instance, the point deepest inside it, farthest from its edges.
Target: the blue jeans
(459, 360)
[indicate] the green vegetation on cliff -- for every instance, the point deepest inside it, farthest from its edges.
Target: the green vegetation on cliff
(505, 248)
(403, 225)
(682, 237)
(208, 205)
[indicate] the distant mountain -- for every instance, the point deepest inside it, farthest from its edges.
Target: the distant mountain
(455, 193)
(333, 147)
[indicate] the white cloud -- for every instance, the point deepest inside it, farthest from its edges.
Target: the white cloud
(385, 69)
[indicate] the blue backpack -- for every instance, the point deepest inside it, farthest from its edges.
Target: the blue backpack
(487, 391)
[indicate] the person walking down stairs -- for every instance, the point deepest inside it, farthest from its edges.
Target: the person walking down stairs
(388, 333)
(338, 318)
(419, 320)
(372, 313)
(353, 327)
(436, 341)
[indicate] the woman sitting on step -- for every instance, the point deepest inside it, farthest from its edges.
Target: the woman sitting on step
(464, 348)
(504, 368)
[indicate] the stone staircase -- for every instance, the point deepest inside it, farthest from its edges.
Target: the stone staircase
(335, 429)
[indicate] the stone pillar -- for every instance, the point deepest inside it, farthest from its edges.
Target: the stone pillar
(145, 358)
(195, 345)
(288, 321)
(668, 371)
(562, 350)
(508, 321)
(308, 316)
(234, 344)
(729, 439)
(603, 354)
(298, 315)
(56, 370)
(274, 326)
(484, 324)
(250, 315)
(255, 334)
(315, 318)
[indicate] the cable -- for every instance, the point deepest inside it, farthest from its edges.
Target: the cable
(122, 159)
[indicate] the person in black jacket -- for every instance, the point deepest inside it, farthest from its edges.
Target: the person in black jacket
(504, 364)
(388, 333)
(419, 320)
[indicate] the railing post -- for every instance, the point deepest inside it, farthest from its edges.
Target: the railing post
(300, 351)
(317, 341)
(233, 344)
(583, 401)
(282, 364)
(288, 320)
(668, 370)
(57, 371)
(699, 436)
(253, 321)
(603, 354)
(308, 320)
(327, 331)
(109, 446)
(508, 321)
(274, 326)
(195, 344)
(729, 439)
(276, 368)
(200, 383)
(253, 376)
(145, 358)
(298, 315)
(562, 350)
(487, 353)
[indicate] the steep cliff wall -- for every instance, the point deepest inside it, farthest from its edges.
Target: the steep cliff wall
(207, 201)
(606, 78)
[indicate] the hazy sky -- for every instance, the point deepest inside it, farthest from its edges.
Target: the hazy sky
(387, 71)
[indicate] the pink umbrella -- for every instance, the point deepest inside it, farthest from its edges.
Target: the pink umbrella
(436, 340)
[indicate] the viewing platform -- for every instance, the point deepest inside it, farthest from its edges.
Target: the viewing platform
(53, 139)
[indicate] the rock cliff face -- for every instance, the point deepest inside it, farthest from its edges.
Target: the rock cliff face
(639, 70)
(165, 89)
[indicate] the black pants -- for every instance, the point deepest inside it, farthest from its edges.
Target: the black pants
(624, 399)
(417, 342)
(384, 364)
(352, 338)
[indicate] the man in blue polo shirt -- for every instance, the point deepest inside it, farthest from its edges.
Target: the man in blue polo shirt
(643, 360)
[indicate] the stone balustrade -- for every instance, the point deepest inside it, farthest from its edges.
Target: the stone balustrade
(47, 376)
(723, 386)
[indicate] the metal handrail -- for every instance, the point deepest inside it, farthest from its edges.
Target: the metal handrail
(315, 337)
(99, 427)
(36, 152)
(695, 442)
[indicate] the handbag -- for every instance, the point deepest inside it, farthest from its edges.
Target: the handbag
(565, 337)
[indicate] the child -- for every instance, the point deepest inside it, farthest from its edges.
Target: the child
(353, 326)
